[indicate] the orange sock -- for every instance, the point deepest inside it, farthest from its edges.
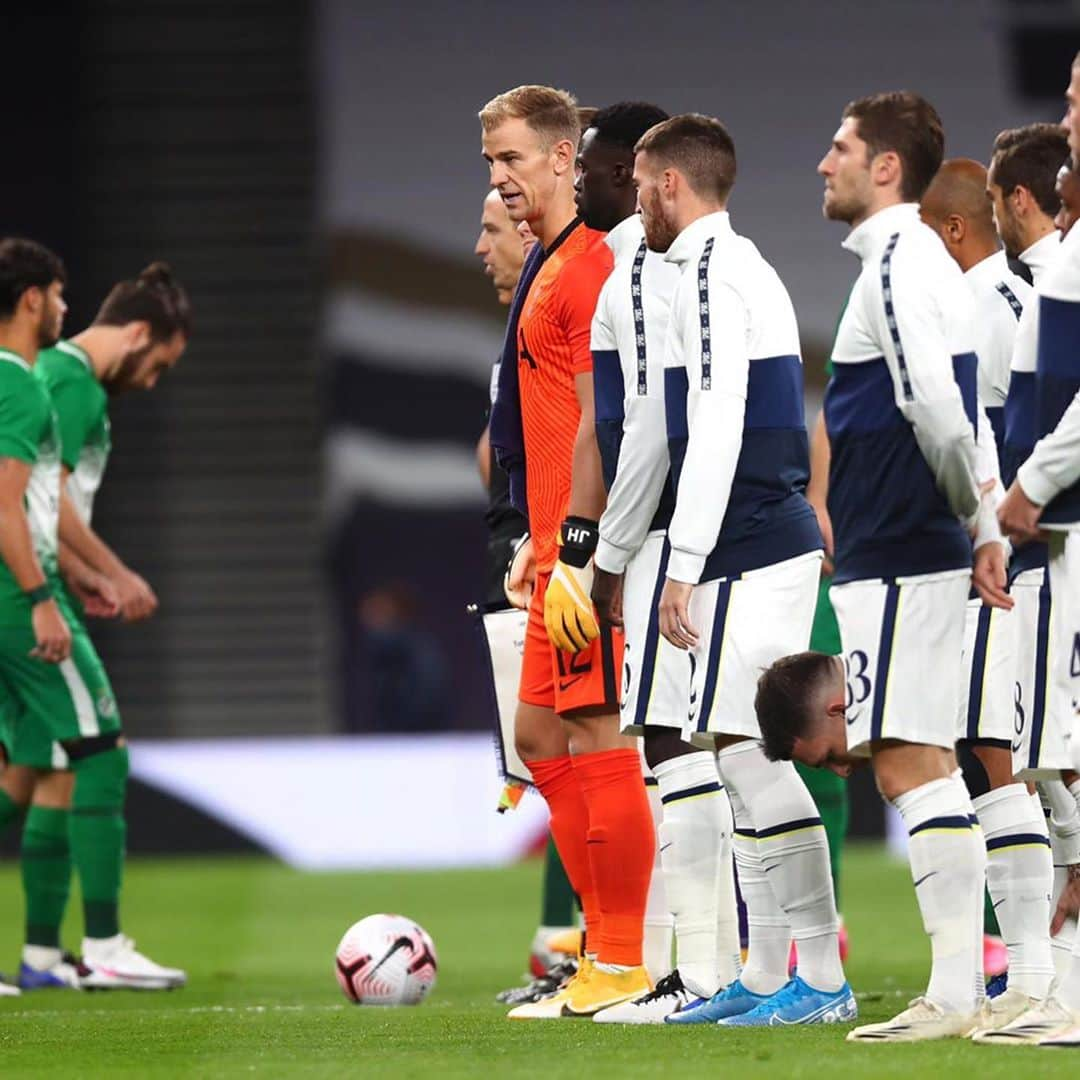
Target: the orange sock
(622, 845)
(557, 780)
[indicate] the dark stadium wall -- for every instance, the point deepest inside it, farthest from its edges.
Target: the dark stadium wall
(185, 132)
(410, 326)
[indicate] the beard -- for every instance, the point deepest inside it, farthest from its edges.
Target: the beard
(660, 233)
(837, 208)
(124, 376)
(49, 331)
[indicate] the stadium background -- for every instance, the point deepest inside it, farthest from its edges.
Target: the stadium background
(302, 493)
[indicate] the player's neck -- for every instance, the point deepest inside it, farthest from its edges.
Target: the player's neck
(104, 347)
(558, 215)
(20, 340)
(975, 252)
(694, 209)
(1038, 230)
(882, 200)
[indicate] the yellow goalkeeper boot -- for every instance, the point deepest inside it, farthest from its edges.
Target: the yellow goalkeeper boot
(603, 989)
(552, 1007)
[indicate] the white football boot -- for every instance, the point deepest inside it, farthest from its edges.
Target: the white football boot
(115, 964)
(1044, 1020)
(922, 1020)
(8, 989)
(1001, 1011)
(669, 996)
(1069, 1037)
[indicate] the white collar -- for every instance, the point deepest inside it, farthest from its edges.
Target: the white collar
(871, 235)
(690, 241)
(867, 238)
(1041, 254)
(989, 271)
(625, 239)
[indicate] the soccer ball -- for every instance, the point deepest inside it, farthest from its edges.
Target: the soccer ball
(386, 960)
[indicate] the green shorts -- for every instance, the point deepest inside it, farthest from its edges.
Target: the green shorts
(53, 703)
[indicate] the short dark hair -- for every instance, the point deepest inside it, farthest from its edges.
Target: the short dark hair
(585, 114)
(784, 694)
(700, 147)
(25, 264)
(1029, 157)
(908, 125)
(154, 297)
(624, 123)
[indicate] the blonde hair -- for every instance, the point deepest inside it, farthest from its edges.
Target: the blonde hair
(551, 113)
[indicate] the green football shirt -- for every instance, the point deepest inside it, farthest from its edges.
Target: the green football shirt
(28, 433)
(82, 415)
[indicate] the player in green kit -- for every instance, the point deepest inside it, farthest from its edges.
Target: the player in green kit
(70, 712)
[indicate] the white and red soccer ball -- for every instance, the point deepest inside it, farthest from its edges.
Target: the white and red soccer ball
(386, 960)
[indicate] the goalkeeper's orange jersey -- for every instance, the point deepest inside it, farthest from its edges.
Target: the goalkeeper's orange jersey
(553, 347)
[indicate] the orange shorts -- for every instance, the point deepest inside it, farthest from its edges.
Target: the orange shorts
(566, 681)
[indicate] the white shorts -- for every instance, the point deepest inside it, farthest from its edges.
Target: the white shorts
(989, 673)
(656, 675)
(746, 623)
(1065, 659)
(902, 643)
(1039, 745)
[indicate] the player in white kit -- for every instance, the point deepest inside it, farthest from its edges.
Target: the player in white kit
(903, 492)
(628, 336)
(1046, 496)
(1019, 865)
(1021, 187)
(745, 552)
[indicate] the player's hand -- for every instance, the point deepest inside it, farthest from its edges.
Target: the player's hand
(1019, 517)
(988, 575)
(568, 609)
(1069, 903)
(95, 592)
(675, 622)
(607, 592)
(520, 574)
(137, 600)
(51, 633)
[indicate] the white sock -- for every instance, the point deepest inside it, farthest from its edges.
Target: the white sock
(696, 822)
(1019, 875)
(656, 942)
(794, 853)
(948, 866)
(728, 951)
(41, 957)
(770, 933)
(1064, 823)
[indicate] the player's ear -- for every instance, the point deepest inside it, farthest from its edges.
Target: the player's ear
(622, 174)
(885, 168)
(956, 227)
(32, 299)
(137, 335)
(563, 155)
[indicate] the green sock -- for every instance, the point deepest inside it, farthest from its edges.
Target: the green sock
(557, 902)
(9, 809)
(830, 794)
(98, 834)
(990, 923)
(46, 874)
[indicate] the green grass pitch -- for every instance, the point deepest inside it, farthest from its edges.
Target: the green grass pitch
(257, 940)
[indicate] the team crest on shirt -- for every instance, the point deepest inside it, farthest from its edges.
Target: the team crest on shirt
(106, 704)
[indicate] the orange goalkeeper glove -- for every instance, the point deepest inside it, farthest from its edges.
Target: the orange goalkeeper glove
(569, 614)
